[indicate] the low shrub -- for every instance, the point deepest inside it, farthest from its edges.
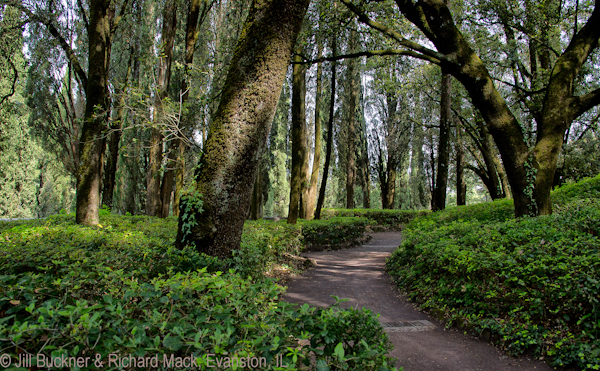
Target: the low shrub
(394, 219)
(319, 234)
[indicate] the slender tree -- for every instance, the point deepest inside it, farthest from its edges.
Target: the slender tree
(329, 144)
(155, 157)
(311, 196)
(352, 78)
(441, 182)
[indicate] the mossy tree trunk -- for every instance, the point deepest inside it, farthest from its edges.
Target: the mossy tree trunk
(240, 127)
(299, 141)
(92, 142)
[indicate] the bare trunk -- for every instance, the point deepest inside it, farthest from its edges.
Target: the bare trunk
(314, 176)
(299, 141)
(441, 183)
(351, 150)
(115, 138)
(160, 192)
(461, 186)
(329, 143)
(240, 128)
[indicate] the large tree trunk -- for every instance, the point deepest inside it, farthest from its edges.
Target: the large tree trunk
(157, 191)
(329, 144)
(353, 98)
(441, 183)
(91, 145)
(299, 140)
(530, 172)
(240, 127)
(314, 176)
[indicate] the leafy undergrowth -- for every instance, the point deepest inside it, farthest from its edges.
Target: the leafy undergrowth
(530, 284)
(390, 219)
(121, 288)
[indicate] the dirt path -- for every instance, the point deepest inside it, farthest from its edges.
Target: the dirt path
(420, 342)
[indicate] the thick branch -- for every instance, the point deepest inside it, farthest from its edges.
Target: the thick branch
(587, 102)
(394, 35)
(372, 53)
(82, 10)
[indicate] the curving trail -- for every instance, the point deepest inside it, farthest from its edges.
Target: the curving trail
(420, 342)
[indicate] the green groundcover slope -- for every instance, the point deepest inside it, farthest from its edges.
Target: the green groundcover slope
(531, 285)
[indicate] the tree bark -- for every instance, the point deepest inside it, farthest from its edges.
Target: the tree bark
(461, 186)
(256, 205)
(158, 192)
(299, 141)
(441, 183)
(91, 145)
(353, 97)
(329, 144)
(115, 138)
(241, 126)
(314, 176)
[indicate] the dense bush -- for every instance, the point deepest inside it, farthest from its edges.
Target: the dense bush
(531, 284)
(388, 218)
(335, 231)
(121, 288)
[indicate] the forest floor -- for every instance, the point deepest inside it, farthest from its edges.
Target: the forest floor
(420, 342)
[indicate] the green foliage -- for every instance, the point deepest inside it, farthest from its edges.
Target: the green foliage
(121, 288)
(582, 158)
(344, 339)
(530, 283)
(586, 188)
(191, 205)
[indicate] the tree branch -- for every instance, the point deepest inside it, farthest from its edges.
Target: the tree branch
(117, 20)
(81, 75)
(82, 10)
(587, 101)
(372, 53)
(394, 35)
(14, 82)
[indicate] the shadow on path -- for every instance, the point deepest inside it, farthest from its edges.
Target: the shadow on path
(420, 342)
